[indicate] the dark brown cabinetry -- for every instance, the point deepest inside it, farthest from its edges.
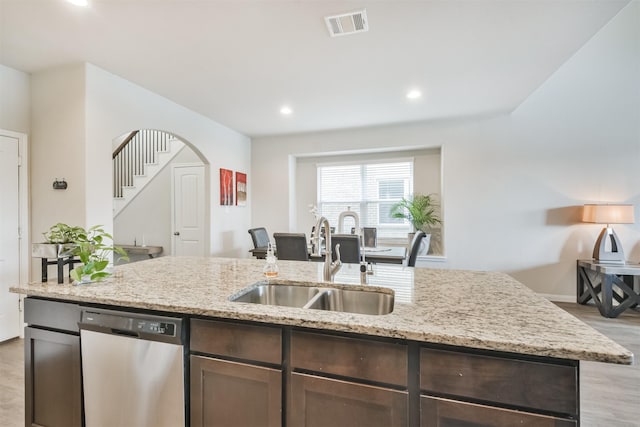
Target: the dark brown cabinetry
(351, 399)
(231, 392)
(251, 374)
(225, 393)
(438, 412)
(53, 390)
(481, 381)
(318, 402)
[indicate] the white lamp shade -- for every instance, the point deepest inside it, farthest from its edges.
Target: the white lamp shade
(608, 214)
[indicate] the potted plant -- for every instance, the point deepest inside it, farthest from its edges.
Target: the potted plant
(59, 241)
(421, 211)
(93, 249)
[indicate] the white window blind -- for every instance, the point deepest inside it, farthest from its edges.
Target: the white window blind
(370, 189)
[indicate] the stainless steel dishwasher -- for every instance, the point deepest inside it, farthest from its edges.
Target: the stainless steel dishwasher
(132, 369)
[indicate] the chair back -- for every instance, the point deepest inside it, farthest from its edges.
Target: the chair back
(349, 247)
(370, 237)
(415, 248)
(291, 246)
(260, 237)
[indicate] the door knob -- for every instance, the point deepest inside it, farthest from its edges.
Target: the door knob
(176, 233)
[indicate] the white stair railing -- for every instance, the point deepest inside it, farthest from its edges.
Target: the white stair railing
(141, 155)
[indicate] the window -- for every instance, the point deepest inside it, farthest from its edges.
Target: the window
(369, 189)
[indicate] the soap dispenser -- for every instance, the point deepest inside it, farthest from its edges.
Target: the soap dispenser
(270, 269)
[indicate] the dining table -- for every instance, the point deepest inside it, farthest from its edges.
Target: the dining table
(376, 255)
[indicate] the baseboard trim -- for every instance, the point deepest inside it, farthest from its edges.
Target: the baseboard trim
(559, 298)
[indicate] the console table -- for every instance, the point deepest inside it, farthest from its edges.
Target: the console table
(150, 251)
(604, 283)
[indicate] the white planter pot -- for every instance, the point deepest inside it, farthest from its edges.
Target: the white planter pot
(51, 250)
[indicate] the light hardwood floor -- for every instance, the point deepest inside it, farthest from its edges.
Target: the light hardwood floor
(12, 383)
(609, 394)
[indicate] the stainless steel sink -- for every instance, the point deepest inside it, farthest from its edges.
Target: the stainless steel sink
(274, 294)
(359, 301)
(353, 301)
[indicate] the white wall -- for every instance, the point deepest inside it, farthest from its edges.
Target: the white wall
(149, 213)
(513, 185)
(57, 147)
(581, 130)
(116, 106)
(77, 111)
(14, 100)
(57, 150)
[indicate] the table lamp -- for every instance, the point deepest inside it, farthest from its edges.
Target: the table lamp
(608, 214)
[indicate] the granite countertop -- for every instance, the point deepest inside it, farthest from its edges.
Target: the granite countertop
(486, 310)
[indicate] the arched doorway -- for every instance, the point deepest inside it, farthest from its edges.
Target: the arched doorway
(160, 198)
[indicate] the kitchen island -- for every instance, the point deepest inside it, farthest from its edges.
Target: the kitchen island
(463, 346)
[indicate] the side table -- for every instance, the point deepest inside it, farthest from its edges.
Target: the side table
(604, 283)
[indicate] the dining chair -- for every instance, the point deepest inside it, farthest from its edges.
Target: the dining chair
(260, 237)
(415, 248)
(349, 247)
(291, 246)
(370, 236)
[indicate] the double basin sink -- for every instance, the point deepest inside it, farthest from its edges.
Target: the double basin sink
(358, 301)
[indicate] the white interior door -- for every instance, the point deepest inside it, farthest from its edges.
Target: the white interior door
(9, 238)
(188, 210)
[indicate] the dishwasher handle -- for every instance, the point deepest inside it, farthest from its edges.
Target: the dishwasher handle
(107, 330)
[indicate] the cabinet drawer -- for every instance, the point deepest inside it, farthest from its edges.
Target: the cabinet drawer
(350, 357)
(52, 314)
(250, 342)
(316, 401)
(515, 382)
(435, 412)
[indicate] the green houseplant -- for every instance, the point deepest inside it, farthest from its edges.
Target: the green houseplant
(422, 212)
(93, 248)
(419, 209)
(61, 233)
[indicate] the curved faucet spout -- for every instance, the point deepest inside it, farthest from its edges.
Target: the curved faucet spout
(330, 268)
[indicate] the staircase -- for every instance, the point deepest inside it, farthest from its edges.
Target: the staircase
(137, 160)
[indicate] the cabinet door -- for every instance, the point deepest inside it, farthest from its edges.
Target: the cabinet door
(316, 401)
(436, 412)
(225, 393)
(53, 391)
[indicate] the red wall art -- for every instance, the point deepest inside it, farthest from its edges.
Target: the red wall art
(241, 189)
(226, 187)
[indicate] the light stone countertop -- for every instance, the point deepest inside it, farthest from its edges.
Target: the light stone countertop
(485, 310)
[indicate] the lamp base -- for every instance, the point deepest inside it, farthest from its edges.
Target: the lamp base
(615, 255)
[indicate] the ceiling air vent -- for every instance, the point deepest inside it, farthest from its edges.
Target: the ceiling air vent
(347, 23)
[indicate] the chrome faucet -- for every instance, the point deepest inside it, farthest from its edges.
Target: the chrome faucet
(330, 267)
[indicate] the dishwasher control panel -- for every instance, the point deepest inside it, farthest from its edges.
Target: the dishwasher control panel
(153, 327)
(134, 324)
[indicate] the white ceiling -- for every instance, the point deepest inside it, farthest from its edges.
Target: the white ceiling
(238, 61)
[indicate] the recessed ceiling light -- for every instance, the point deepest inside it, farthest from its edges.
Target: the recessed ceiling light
(286, 110)
(79, 2)
(414, 94)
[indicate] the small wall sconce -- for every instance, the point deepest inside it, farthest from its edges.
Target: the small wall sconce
(59, 185)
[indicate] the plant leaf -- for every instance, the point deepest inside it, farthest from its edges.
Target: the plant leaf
(101, 265)
(76, 274)
(100, 275)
